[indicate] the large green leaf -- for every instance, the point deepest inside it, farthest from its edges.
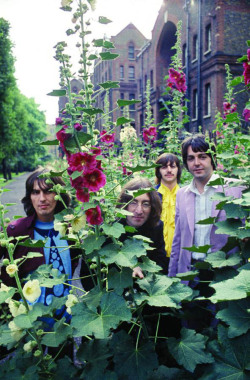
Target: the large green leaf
(60, 333)
(165, 373)
(139, 168)
(94, 354)
(47, 276)
(103, 43)
(98, 322)
(219, 260)
(237, 316)
(92, 111)
(115, 230)
(57, 93)
(5, 295)
(92, 243)
(201, 249)
(25, 321)
(109, 84)
(158, 291)
(234, 211)
(122, 120)
(106, 56)
(229, 227)
(119, 280)
(131, 361)
(104, 20)
(126, 255)
(149, 265)
(32, 243)
(232, 289)
(123, 102)
(232, 357)
(49, 142)
(189, 350)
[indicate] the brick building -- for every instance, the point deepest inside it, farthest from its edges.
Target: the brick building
(214, 32)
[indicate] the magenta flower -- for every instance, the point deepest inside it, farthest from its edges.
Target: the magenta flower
(246, 112)
(94, 215)
(94, 180)
(78, 126)
(77, 183)
(177, 80)
(96, 151)
(149, 134)
(82, 161)
(246, 72)
(82, 195)
(59, 121)
(62, 135)
(107, 138)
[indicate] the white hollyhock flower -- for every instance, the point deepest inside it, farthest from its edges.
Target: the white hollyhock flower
(11, 269)
(28, 347)
(16, 308)
(78, 223)
(16, 332)
(71, 301)
(32, 290)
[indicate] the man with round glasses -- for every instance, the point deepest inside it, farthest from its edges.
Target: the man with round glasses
(145, 217)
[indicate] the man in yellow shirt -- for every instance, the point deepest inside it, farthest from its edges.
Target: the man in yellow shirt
(167, 178)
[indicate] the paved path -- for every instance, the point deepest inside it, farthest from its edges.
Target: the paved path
(16, 193)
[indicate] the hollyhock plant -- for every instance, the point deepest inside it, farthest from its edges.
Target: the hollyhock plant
(96, 151)
(94, 180)
(82, 161)
(82, 195)
(246, 113)
(59, 121)
(177, 80)
(78, 127)
(94, 216)
(149, 134)
(107, 138)
(246, 66)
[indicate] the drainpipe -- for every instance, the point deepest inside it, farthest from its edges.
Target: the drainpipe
(199, 82)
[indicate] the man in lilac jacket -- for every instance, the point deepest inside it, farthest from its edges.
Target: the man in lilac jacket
(194, 203)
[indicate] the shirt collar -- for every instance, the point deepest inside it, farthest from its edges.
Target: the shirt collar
(164, 189)
(192, 187)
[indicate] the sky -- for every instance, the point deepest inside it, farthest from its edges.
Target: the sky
(36, 27)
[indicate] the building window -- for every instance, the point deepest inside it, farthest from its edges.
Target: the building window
(184, 55)
(131, 51)
(121, 72)
(195, 104)
(132, 106)
(131, 73)
(207, 99)
(122, 97)
(195, 47)
(151, 79)
(208, 38)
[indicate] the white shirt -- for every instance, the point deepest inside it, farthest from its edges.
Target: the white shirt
(203, 210)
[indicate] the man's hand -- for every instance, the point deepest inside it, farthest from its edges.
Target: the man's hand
(137, 272)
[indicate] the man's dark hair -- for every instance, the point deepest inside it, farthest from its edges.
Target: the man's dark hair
(27, 204)
(137, 184)
(198, 143)
(164, 159)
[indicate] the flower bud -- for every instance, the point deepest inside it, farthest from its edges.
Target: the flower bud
(7, 220)
(11, 269)
(6, 262)
(37, 353)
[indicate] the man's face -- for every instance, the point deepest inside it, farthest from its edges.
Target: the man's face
(141, 208)
(200, 165)
(169, 174)
(43, 202)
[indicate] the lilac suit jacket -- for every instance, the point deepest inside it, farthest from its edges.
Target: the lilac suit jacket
(180, 259)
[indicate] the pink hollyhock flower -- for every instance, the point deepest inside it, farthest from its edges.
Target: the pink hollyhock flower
(177, 80)
(246, 112)
(219, 134)
(94, 216)
(78, 126)
(96, 150)
(246, 72)
(59, 121)
(107, 138)
(82, 195)
(79, 161)
(149, 134)
(77, 183)
(94, 180)
(62, 135)
(220, 166)
(226, 106)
